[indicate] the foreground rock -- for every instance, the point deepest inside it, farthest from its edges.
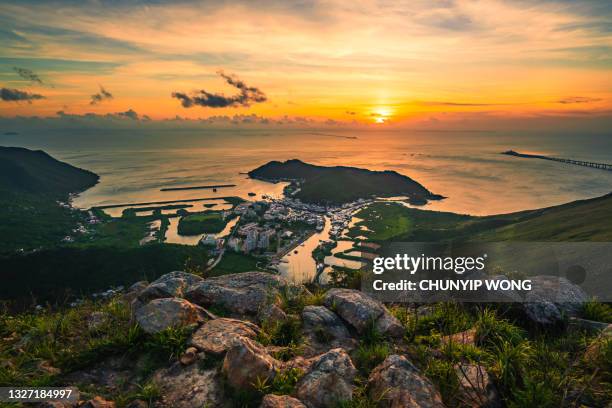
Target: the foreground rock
(173, 284)
(467, 337)
(99, 402)
(552, 298)
(160, 314)
(360, 311)
(247, 363)
(329, 382)
(241, 293)
(397, 383)
(477, 387)
(188, 387)
(280, 401)
(323, 330)
(218, 335)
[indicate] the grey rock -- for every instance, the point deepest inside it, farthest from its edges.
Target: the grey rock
(360, 310)
(329, 382)
(324, 330)
(241, 293)
(271, 314)
(477, 388)
(248, 362)
(396, 382)
(173, 284)
(188, 387)
(218, 335)
(160, 314)
(280, 401)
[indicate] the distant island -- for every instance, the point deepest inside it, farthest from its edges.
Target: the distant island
(340, 184)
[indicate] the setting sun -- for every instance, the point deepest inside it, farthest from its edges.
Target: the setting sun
(381, 115)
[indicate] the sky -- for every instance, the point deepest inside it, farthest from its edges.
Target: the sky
(423, 63)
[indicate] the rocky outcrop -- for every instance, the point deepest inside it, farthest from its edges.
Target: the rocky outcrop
(98, 402)
(241, 293)
(467, 337)
(477, 389)
(329, 381)
(280, 401)
(271, 314)
(160, 314)
(248, 363)
(173, 284)
(552, 298)
(189, 356)
(361, 311)
(218, 335)
(323, 330)
(396, 383)
(188, 387)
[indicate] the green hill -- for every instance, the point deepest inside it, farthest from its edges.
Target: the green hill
(583, 220)
(341, 184)
(31, 184)
(34, 171)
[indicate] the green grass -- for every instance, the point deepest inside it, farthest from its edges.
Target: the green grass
(233, 262)
(201, 223)
(597, 311)
(384, 220)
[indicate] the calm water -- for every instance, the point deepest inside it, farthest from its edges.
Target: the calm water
(465, 167)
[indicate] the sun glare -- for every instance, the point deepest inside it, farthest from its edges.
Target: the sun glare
(381, 114)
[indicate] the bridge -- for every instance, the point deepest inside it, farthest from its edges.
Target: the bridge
(601, 166)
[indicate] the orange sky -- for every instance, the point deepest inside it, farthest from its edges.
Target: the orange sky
(373, 62)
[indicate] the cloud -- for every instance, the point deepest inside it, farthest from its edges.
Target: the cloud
(578, 99)
(100, 96)
(130, 113)
(28, 74)
(246, 96)
(15, 95)
(350, 113)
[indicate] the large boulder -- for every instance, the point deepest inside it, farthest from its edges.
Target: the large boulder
(396, 383)
(248, 363)
(477, 389)
(280, 401)
(329, 382)
(551, 298)
(324, 330)
(160, 314)
(187, 387)
(361, 311)
(241, 293)
(173, 284)
(218, 335)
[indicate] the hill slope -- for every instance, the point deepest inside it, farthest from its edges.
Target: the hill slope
(34, 171)
(340, 184)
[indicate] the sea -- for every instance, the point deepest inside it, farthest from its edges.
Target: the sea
(465, 167)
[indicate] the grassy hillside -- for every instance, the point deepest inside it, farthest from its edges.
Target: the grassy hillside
(584, 220)
(340, 184)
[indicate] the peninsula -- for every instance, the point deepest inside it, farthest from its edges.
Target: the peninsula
(340, 184)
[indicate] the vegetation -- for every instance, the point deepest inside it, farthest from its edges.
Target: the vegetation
(234, 262)
(202, 223)
(318, 184)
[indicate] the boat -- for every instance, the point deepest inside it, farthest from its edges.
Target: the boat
(252, 194)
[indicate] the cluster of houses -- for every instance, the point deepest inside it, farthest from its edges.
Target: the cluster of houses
(250, 237)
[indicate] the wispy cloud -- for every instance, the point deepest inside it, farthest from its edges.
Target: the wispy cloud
(578, 99)
(28, 74)
(247, 95)
(100, 96)
(15, 95)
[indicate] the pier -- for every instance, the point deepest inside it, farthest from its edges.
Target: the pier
(601, 166)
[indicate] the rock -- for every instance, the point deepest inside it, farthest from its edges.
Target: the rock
(553, 292)
(247, 363)
(189, 356)
(160, 314)
(280, 401)
(134, 291)
(360, 311)
(589, 325)
(56, 404)
(329, 382)
(46, 366)
(98, 402)
(138, 404)
(173, 284)
(218, 335)
(241, 293)
(188, 387)
(398, 383)
(95, 320)
(272, 314)
(324, 330)
(477, 387)
(467, 337)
